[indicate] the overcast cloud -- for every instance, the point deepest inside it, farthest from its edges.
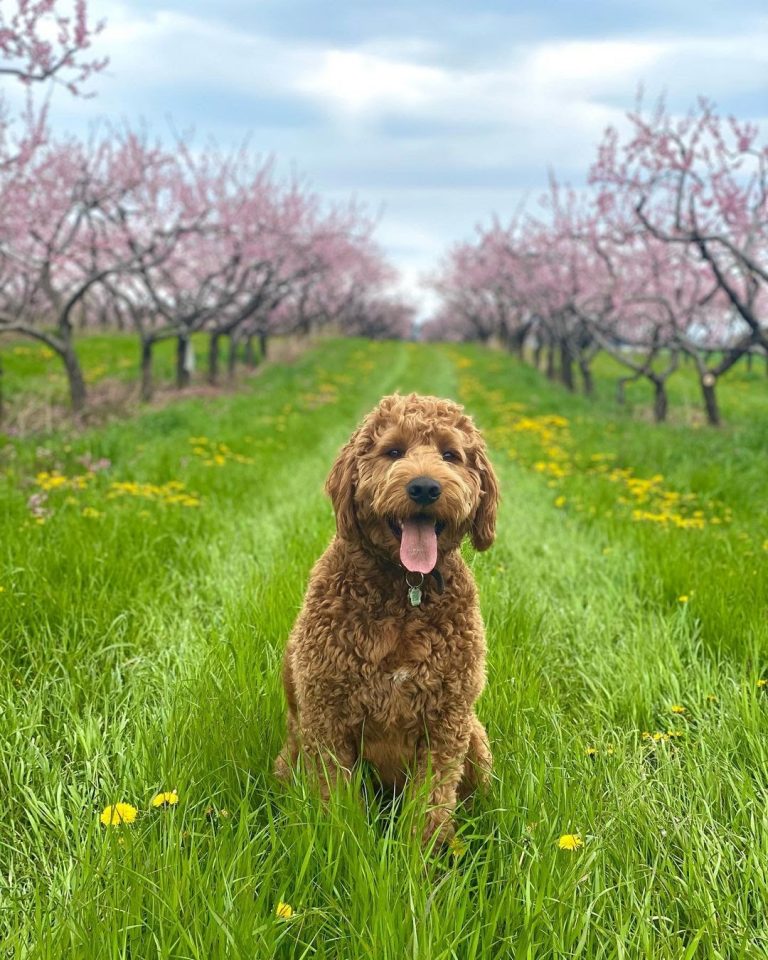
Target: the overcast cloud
(436, 114)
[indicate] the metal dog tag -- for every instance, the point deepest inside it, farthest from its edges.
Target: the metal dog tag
(414, 595)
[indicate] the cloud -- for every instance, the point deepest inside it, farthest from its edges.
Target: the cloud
(358, 82)
(591, 65)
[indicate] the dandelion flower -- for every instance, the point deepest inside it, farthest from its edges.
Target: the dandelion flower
(712, 698)
(457, 847)
(677, 708)
(570, 842)
(683, 599)
(656, 737)
(560, 502)
(118, 813)
(762, 682)
(591, 751)
(284, 911)
(167, 799)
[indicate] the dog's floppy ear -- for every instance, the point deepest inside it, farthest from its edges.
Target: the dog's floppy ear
(484, 521)
(340, 487)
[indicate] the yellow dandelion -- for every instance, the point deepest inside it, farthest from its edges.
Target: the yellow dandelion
(118, 813)
(762, 682)
(711, 698)
(457, 847)
(2, 589)
(656, 737)
(167, 799)
(92, 513)
(284, 911)
(678, 709)
(683, 599)
(591, 751)
(560, 502)
(570, 842)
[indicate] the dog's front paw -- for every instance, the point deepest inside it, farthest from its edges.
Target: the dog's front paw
(438, 829)
(282, 769)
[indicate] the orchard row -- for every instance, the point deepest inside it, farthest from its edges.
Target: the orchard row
(663, 256)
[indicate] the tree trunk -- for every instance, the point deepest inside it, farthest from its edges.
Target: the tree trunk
(2, 399)
(516, 342)
(566, 365)
(146, 370)
(250, 353)
(708, 385)
(234, 342)
(550, 371)
(749, 361)
(263, 346)
(586, 377)
(213, 358)
(183, 361)
(660, 402)
(77, 390)
(537, 355)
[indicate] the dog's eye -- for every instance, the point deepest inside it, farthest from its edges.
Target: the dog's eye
(450, 455)
(395, 453)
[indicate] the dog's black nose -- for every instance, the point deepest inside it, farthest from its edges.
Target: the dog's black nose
(424, 490)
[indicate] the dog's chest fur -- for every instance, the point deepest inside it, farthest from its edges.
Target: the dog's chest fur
(382, 667)
(406, 665)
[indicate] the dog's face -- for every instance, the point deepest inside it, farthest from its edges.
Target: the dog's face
(413, 480)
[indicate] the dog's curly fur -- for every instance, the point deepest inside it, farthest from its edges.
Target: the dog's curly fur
(366, 674)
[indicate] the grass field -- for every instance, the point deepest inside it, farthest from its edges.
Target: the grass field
(150, 571)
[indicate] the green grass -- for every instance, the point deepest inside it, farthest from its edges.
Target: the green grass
(141, 641)
(741, 392)
(32, 370)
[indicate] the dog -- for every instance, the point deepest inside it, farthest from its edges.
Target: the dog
(387, 657)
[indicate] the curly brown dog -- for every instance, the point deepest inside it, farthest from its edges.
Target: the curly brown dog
(387, 657)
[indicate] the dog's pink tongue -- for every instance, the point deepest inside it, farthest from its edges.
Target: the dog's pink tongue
(418, 546)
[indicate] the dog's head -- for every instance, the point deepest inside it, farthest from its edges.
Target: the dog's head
(413, 480)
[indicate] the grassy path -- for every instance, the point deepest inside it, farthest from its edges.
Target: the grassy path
(143, 610)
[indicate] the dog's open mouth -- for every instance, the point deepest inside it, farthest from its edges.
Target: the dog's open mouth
(418, 542)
